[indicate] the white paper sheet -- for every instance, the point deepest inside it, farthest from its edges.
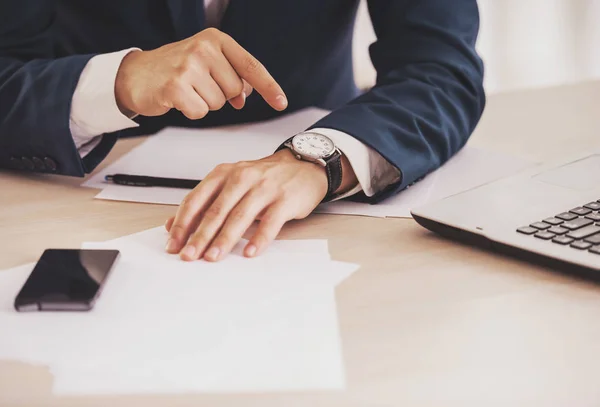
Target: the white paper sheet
(246, 356)
(468, 169)
(156, 238)
(165, 326)
(303, 259)
(192, 154)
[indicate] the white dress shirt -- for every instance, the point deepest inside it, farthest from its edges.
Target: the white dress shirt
(94, 112)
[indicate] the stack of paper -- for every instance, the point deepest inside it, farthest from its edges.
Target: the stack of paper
(163, 325)
(193, 153)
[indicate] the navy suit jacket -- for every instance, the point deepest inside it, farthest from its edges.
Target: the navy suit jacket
(427, 100)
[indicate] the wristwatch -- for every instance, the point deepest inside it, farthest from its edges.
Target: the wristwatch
(319, 149)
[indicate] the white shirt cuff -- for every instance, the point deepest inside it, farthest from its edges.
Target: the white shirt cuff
(94, 109)
(374, 173)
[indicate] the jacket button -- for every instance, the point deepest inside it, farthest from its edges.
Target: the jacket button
(50, 164)
(39, 164)
(16, 163)
(27, 163)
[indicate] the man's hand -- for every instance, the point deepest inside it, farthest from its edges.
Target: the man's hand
(194, 76)
(215, 215)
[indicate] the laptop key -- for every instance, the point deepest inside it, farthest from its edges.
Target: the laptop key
(580, 211)
(594, 239)
(566, 216)
(577, 223)
(527, 230)
(556, 221)
(544, 235)
(595, 250)
(581, 245)
(594, 216)
(540, 225)
(557, 230)
(562, 240)
(584, 232)
(595, 206)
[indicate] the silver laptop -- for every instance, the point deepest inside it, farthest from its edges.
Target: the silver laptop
(549, 215)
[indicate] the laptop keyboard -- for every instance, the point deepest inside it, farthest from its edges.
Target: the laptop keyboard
(578, 228)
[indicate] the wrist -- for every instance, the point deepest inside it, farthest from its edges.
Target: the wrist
(123, 94)
(313, 170)
(349, 179)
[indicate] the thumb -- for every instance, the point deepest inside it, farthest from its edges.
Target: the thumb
(247, 88)
(239, 101)
(169, 223)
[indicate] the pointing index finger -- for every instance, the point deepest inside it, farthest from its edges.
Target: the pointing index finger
(250, 69)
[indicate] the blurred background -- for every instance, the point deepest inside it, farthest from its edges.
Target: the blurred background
(524, 43)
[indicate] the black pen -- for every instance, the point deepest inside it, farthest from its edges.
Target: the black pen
(144, 181)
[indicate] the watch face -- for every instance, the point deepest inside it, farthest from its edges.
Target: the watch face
(313, 145)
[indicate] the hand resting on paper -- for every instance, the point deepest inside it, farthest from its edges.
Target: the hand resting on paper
(215, 215)
(194, 76)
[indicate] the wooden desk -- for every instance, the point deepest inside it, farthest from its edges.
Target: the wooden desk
(424, 322)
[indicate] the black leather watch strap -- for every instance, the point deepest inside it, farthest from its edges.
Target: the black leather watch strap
(334, 174)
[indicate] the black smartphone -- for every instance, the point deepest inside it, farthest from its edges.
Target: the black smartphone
(66, 280)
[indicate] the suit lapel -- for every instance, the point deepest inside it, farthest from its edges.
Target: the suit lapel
(252, 23)
(236, 17)
(187, 17)
(243, 19)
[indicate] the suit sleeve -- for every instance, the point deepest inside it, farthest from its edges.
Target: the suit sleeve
(429, 94)
(36, 89)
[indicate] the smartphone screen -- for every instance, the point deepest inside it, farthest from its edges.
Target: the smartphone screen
(66, 280)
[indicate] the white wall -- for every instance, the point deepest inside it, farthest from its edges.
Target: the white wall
(524, 43)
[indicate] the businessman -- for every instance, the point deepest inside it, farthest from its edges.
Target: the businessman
(77, 74)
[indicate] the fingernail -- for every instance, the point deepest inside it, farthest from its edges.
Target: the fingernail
(282, 101)
(212, 253)
(189, 252)
(250, 250)
(170, 247)
(244, 96)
